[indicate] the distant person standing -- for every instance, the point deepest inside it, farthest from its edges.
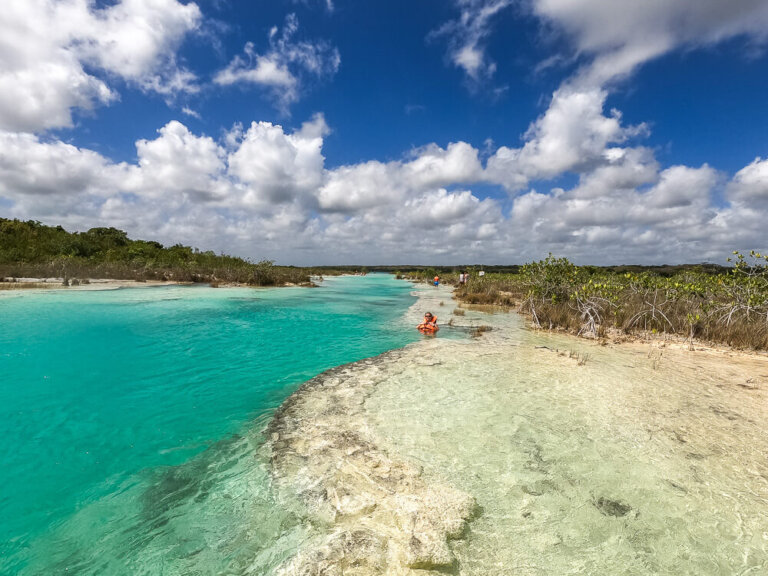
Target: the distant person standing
(437, 280)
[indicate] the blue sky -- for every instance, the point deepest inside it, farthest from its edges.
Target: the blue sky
(449, 131)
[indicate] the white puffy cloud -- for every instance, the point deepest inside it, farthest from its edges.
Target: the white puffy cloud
(432, 226)
(441, 209)
(55, 181)
(621, 169)
(433, 166)
(681, 192)
(137, 40)
(265, 192)
(29, 167)
(572, 135)
(672, 221)
(183, 188)
(281, 68)
(750, 183)
(742, 223)
(280, 167)
(371, 184)
(259, 192)
(361, 186)
(178, 162)
(51, 50)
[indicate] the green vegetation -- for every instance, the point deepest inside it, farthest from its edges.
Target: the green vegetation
(31, 249)
(719, 304)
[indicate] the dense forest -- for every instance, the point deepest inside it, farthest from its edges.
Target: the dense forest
(31, 249)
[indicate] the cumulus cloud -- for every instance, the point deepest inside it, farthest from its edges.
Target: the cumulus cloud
(178, 162)
(50, 53)
(572, 135)
(750, 183)
(55, 181)
(371, 184)
(31, 168)
(624, 207)
(283, 66)
(264, 191)
(622, 169)
(667, 222)
(279, 167)
(360, 187)
(433, 166)
(429, 226)
(183, 187)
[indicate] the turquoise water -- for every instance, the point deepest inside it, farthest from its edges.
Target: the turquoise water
(130, 419)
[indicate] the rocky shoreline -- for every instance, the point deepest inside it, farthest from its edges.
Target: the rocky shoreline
(378, 513)
(475, 455)
(383, 516)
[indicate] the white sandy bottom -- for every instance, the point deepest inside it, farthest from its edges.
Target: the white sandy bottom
(511, 454)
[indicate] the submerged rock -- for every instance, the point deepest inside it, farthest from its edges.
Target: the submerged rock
(610, 507)
(385, 517)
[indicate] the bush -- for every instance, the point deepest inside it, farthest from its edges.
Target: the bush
(716, 304)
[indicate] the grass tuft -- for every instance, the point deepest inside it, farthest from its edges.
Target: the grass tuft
(478, 331)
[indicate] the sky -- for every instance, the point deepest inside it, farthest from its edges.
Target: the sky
(315, 132)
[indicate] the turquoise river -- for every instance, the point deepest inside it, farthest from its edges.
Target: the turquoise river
(130, 419)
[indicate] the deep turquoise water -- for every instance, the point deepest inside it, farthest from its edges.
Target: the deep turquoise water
(130, 419)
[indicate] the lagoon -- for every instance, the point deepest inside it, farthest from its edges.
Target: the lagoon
(130, 418)
(158, 449)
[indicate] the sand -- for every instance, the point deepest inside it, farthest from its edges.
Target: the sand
(523, 452)
(93, 284)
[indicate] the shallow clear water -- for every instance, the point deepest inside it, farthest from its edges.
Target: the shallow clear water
(132, 444)
(129, 421)
(629, 460)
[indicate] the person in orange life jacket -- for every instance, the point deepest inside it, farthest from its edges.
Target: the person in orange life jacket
(437, 280)
(429, 323)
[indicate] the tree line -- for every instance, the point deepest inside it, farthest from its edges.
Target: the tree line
(32, 249)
